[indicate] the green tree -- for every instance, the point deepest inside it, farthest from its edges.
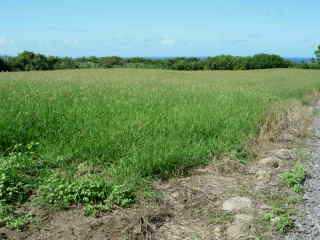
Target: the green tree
(109, 62)
(65, 63)
(317, 52)
(3, 65)
(29, 61)
(263, 61)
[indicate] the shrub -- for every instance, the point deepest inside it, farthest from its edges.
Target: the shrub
(280, 219)
(294, 178)
(317, 53)
(263, 61)
(87, 190)
(12, 187)
(17, 171)
(63, 192)
(3, 65)
(12, 219)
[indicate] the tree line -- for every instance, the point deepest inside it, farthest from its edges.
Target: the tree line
(315, 63)
(29, 61)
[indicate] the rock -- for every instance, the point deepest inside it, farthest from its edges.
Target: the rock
(286, 137)
(263, 176)
(270, 162)
(284, 154)
(175, 195)
(275, 220)
(218, 232)
(240, 229)
(264, 207)
(236, 204)
(243, 219)
(235, 232)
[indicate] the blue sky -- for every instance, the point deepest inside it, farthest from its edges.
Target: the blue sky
(160, 28)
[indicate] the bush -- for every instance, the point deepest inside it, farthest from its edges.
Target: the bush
(87, 190)
(109, 62)
(12, 219)
(281, 219)
(3, 65)
(224, 62)
(12, 187)
(17, 171)
(314, 66)
(295, 178)
(317, 53)
(29, 61)
(263, 61)
(59, 191)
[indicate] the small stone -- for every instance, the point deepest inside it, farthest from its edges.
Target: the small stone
(235, 232)
(263, 176)
(175, 195)
(218, 232)
(286, 137)
(240, 227)
(264, 207)
(275, 220)
(236, 204)
(284, 154)
(243, 219)
(270, 162)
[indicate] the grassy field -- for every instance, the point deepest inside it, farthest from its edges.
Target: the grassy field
(125, 125)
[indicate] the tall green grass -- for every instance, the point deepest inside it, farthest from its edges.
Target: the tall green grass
(140, 123)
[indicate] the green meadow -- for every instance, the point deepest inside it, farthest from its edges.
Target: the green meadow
(126, 125)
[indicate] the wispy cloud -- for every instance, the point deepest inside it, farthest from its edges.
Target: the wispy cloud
(167, 42)
(255, 36)
(74, 29)
(4, 42)
(71, 42)
(239, 41)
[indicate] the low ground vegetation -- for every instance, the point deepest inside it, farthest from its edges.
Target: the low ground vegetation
(92, 138)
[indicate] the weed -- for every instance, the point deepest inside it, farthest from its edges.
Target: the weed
(280, 218)
(12, 187)
(220, 217)
(281, 215)
(95, 210)
(121, 195)
(59, 191)
(92, 191)
(294, 178)
(284, 223)
(13, 220)
(295, 199)
(195, 236)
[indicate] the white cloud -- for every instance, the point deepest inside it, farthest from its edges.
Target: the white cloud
(167, 42)
(71, 42)
(3, 42)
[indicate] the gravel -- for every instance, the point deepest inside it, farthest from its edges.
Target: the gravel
(308, 225)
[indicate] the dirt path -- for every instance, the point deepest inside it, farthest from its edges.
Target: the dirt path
(308, 226)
